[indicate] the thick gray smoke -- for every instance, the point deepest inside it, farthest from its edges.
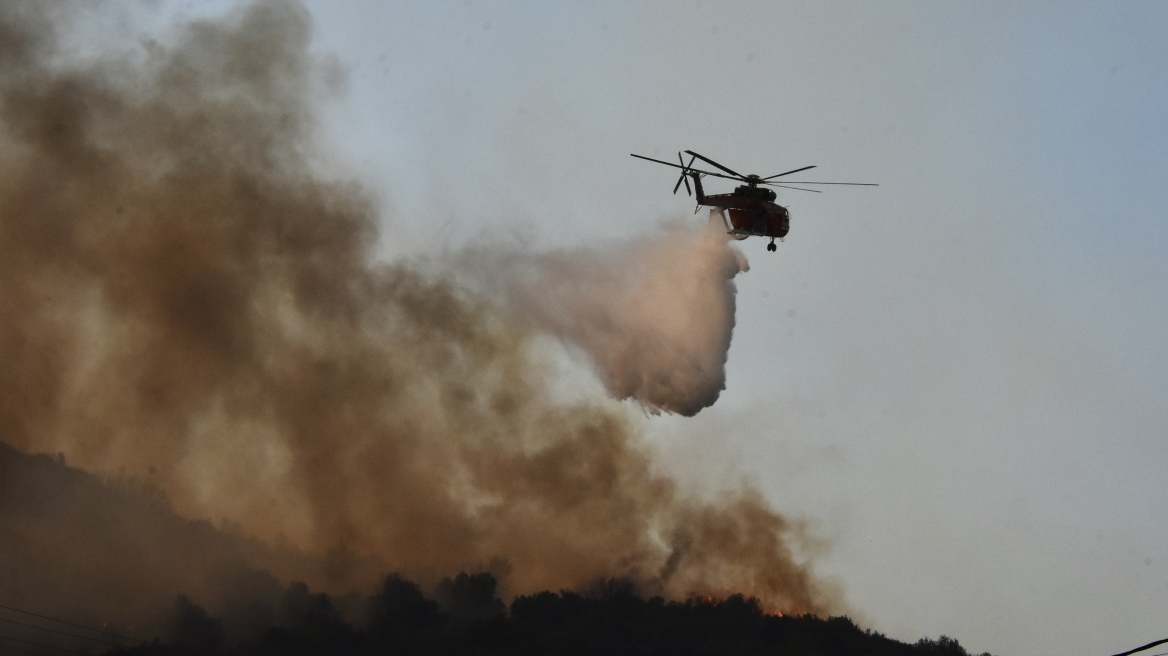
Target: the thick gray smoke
(654, 315)
(189, 300)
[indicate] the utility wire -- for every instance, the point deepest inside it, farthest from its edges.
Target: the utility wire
(64, 633)
(4, 648)
(79, 626)
(1147, 646)
(37, 644)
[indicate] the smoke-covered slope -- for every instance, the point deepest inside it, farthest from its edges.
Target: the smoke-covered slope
(403, 621)
(111, 553)
(191, 299)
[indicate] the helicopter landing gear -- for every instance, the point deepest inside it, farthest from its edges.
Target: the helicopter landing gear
(772, 247)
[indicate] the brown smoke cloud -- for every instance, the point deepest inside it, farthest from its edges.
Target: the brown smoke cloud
(654, 315)
(188, 296)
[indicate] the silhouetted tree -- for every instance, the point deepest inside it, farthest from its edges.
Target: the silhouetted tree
(608, 619)
(943, 646)
(611, 589)
(399, 614)
(470, 599)
(192, 630)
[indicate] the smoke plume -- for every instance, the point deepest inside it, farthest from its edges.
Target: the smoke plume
(190, 297)
(654, 315)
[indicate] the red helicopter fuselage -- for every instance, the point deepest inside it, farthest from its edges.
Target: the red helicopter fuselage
(752, 210)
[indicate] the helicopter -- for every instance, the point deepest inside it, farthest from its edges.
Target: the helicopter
(753, 210)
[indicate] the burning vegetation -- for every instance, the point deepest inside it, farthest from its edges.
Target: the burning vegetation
(193, 307)
(195, 322)
(607, 618)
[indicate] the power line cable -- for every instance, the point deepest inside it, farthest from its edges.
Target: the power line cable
(64, 633)
(4, 649)
(37, 644)
(79, 626)
(1147, 646)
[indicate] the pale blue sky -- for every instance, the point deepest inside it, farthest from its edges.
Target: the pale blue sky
(959, 376)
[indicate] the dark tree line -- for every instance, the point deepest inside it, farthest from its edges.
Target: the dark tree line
(465, 617)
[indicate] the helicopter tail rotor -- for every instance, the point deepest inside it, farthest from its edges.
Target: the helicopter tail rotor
(683, 178)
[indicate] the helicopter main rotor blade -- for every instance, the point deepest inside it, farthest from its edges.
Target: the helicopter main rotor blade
(775, 184)
(688, 168)
(719, 175)
(707, 160)
(741, 178)
(779, 175)
(656, 160)
(853, 184)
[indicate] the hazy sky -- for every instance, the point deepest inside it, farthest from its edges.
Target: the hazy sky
(958, 376)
